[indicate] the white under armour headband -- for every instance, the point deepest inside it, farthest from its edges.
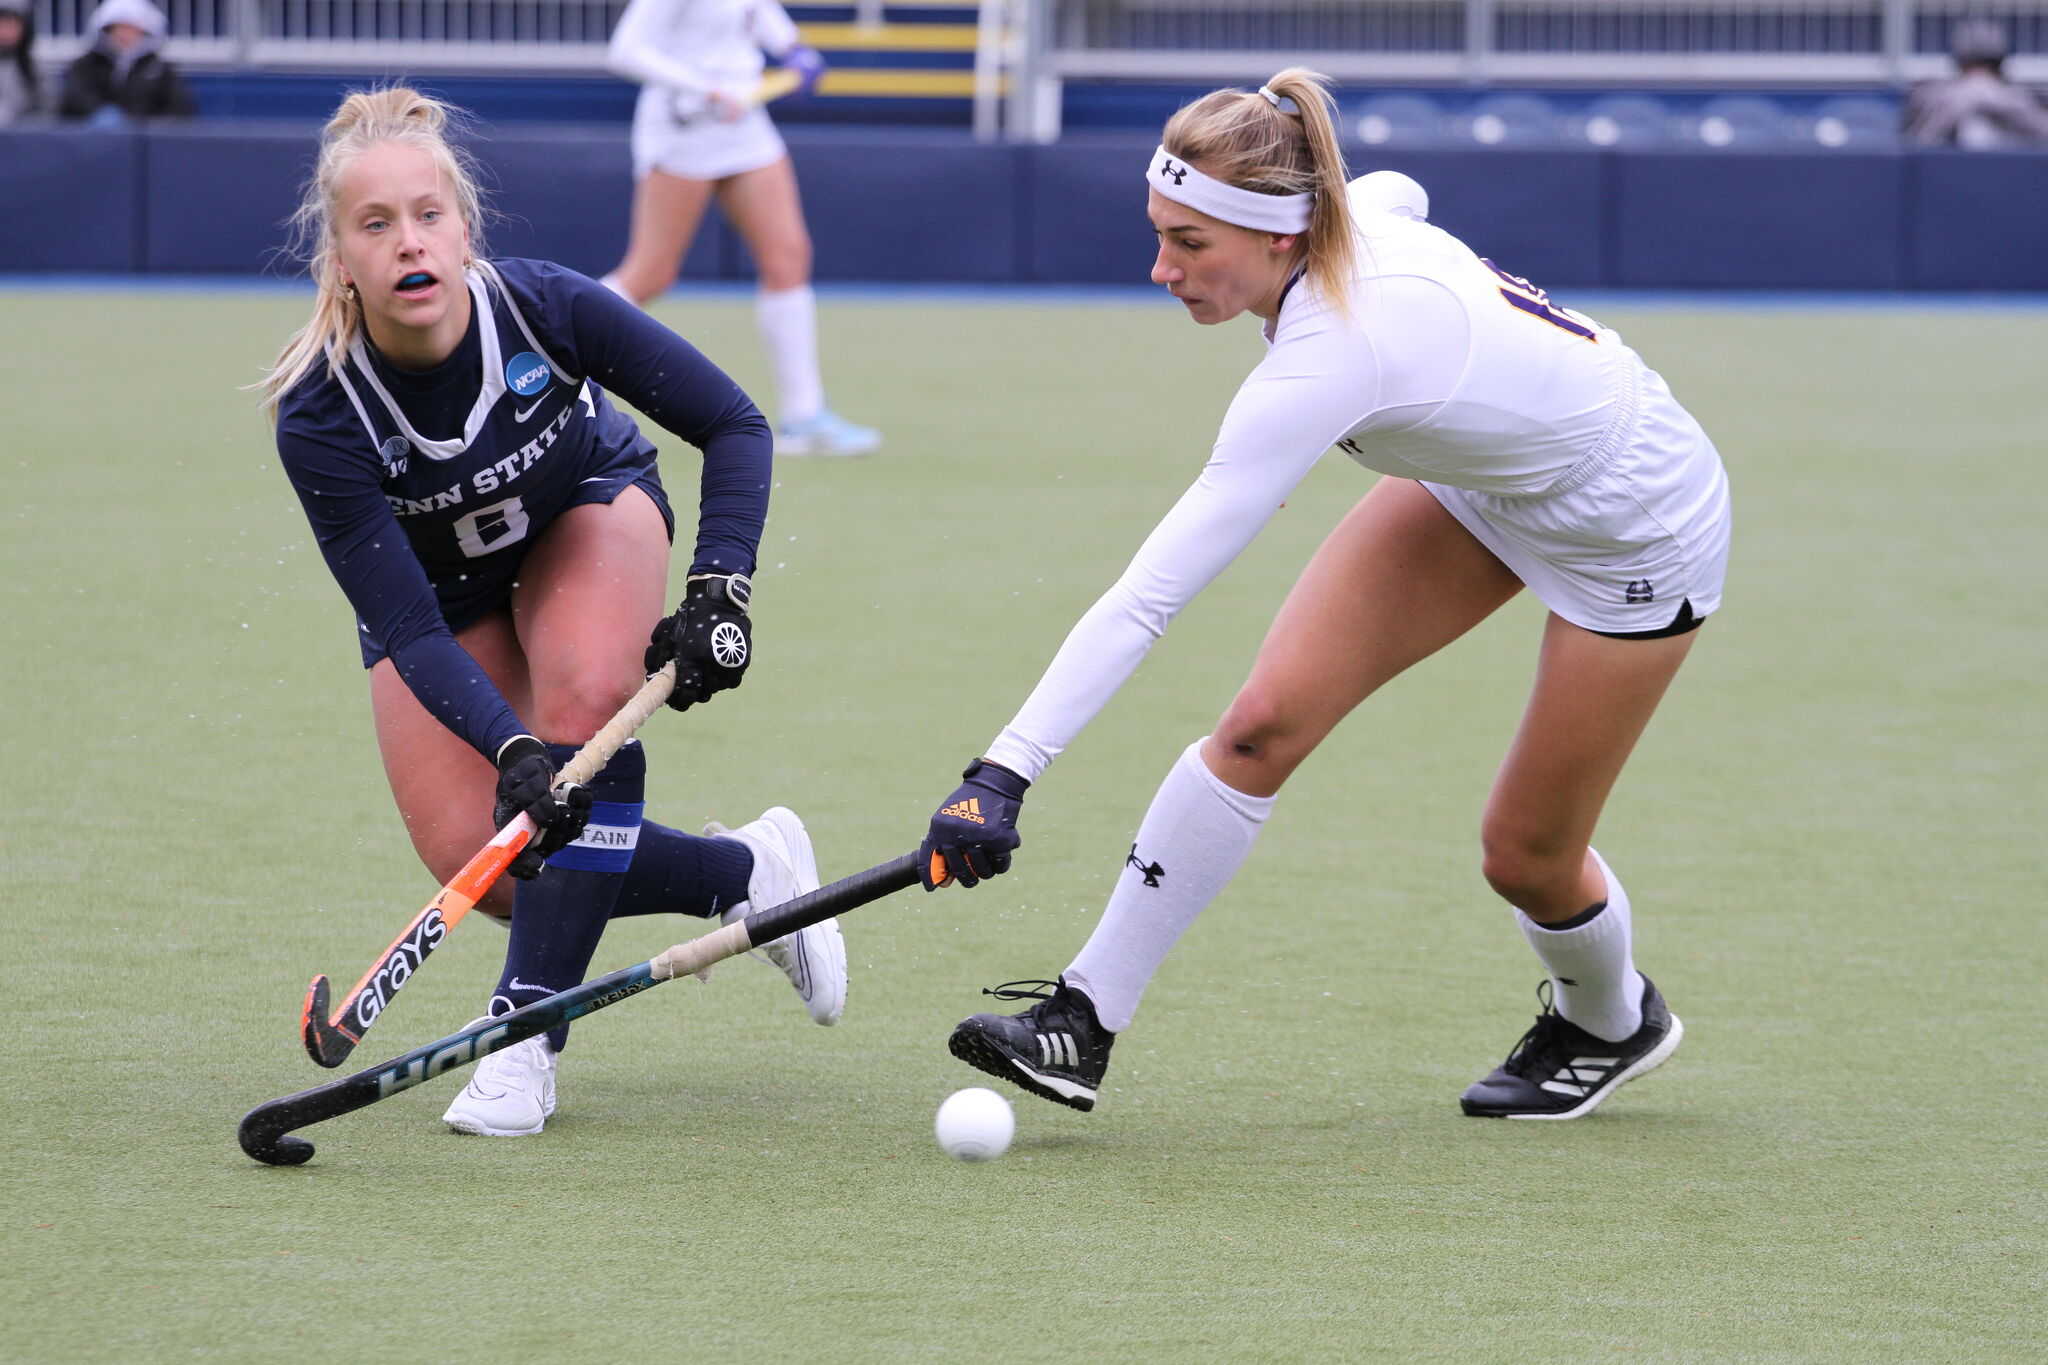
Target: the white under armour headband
(1183, 184)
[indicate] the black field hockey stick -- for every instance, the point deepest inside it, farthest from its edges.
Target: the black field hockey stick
(331, 1036)
(265, 1130)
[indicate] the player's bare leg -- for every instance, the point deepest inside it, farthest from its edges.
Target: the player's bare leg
(1605, 1023)
(588, 595)
(443, 787)
(616, 568)
(1593, 698)
(1397, 580)
(667, 210)
(765, 208)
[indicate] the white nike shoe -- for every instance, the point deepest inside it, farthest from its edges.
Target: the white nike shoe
(813, 959)
(511, 1094)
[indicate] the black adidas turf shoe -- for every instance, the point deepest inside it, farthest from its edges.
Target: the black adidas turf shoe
(1054, 1049)
(1560, 1071)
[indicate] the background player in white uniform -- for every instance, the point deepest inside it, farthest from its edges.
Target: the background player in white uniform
(502, 533)
(698, 132)
(1522, 445)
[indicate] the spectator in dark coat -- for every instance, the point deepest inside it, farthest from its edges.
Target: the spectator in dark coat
(21, 93)
(124, 76)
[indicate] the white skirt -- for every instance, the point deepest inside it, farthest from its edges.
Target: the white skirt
(1621, 553)
(701, 148)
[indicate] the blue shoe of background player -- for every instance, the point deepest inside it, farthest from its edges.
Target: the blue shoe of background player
(827, 434)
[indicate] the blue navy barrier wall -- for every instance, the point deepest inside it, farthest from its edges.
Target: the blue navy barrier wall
(71, 200)
(931, 205)
(1763, 220)
(1541, 214)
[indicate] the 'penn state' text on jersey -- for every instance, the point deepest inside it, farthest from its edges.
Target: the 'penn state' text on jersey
(425, 490)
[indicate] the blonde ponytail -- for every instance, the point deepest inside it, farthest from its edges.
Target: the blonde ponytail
(365, 119)
(1284, 145)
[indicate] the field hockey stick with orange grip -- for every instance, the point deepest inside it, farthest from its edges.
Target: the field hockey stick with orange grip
(330, 1037)
(265, 1130)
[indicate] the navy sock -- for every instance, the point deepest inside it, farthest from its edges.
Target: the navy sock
(678, 873)
(558, 917)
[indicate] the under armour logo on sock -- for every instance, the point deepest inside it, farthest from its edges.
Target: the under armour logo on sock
(1152, 871)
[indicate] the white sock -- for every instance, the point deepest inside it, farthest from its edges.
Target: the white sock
(611, 282)
(1192, 841)
(789, 324)
(1592, 973)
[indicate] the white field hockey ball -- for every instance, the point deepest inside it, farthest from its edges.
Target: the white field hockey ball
(975, 1124)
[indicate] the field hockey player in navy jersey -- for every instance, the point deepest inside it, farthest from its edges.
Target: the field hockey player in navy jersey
(501, 532)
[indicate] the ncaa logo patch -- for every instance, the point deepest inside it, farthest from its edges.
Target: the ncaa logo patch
(527, 374)
(393, 455)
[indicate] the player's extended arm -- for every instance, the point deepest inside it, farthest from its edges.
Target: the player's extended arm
(635, 51)
(802, 66)
(369, 556)
(1302, 398)
(772, 28)
(664, 376)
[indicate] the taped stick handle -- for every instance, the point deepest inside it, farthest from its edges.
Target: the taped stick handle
(765, 926)
(591, 758)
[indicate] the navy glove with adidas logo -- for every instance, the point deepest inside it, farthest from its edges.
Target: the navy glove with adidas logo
(975, 831)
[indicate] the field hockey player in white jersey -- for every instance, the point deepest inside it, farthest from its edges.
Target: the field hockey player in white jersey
(1521, 445)
(700, 132)
(503, 535)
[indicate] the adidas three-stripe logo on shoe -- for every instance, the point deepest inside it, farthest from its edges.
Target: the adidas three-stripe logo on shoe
(1056, 1049)
(1560, 1071)
(1581, 1076)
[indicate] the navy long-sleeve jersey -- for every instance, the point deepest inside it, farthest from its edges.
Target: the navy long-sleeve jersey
(425, 490)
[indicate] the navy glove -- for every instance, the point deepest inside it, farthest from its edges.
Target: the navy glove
(708, 637)
(974, 832)
(808, 65)
(526, 783)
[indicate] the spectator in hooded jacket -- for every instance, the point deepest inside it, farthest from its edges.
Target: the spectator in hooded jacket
(21, 93)
(1977, 109)
(123, 75)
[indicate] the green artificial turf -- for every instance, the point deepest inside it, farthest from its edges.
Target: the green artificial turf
(1832, 836)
